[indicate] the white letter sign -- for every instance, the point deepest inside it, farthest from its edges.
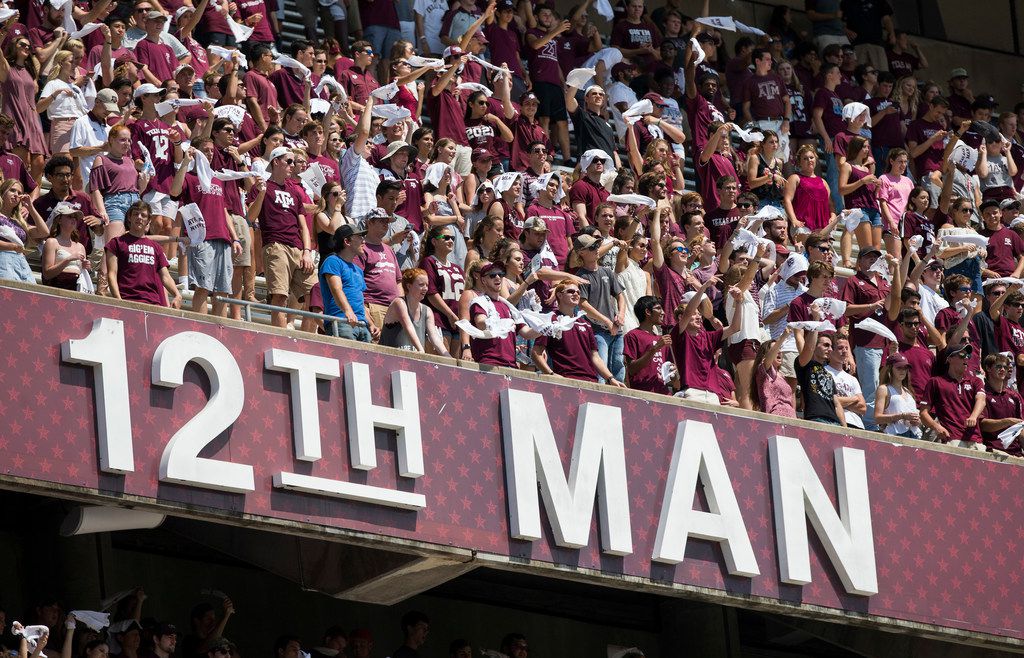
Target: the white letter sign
(697, 455)
(598, 468)
(304, 370)
(846, 536)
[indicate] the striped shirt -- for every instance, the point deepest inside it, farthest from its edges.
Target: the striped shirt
(360, 180)
(774, 297)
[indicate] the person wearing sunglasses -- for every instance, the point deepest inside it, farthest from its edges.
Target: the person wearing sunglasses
(958, 292)
(531, 144)
(897, 398)
(487, 313)
(1005, 247)
(290, 83)
(1006, 313)
(572, 353)
(604, 301)
(954, 401)
(1003, 405)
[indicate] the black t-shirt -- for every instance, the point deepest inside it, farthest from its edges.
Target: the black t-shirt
(592, 132)
(818, 390)
(865, 18)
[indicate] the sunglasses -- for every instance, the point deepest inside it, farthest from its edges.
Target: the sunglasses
(494, 275)
(1001, 366)
(228, 130)
(446, 238)
(915, 323)
(964, 289)
(289, 161)
(744, 205)
(571, 292)
(681, 250)
(1015, 304)
(539, 150)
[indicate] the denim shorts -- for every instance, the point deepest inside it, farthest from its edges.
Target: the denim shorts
(873, 215)
(117, 205)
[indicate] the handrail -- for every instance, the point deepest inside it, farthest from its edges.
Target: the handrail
(247, 307)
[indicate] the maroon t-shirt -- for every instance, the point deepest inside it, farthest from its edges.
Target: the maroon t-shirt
(573, 50)
(375, 12)
(695, 354)
(290, 89)
(841, 141)
(262, 32)
(358, 83)
(589, 194)
(672, 287)
(481, 134)
(503, 44)
(765, 93)
(902, 64)
(708, 174)
(412, 208)
(211, 202)
(950, 402)
(832, 110)
(526, 132)
(232, 198)
(158, 57)
(262, 88)
(648, 378)
(560, 228)
(922, 360)
(637, 35)
(998, 406)
(931, 160)
(11, 166)
(887, 131)
(700, 113)
(113, 175)
(447, 280)
(280, 215)
(494, 351)
(381, 272)
(917, 224)
(139, 261)
(1005, 248)
(543, 62)
(448, 116)
(569, 355)
(155, 135)
(860, 289)
(946, 320)
(1010, 338)
(721, 224)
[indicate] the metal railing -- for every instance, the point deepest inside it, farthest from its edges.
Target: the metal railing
(248, 306)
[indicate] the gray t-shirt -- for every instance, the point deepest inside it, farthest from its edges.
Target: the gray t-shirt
(832, 27)
(602, 291)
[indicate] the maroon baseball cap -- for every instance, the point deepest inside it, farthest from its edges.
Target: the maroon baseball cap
(657, 99)
(897, 360)
(481, 154)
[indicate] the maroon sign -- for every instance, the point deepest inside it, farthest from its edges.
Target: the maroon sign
(947, 528)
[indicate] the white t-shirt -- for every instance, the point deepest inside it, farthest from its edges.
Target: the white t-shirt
(68, 106)
(432, 12)
(86, 132)
(846, 386)
(619, 92)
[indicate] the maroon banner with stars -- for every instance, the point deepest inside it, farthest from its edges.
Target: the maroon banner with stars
(948, 528)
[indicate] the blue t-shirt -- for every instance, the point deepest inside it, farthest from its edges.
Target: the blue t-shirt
(352, 284)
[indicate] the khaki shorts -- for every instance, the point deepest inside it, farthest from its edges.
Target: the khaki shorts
(376, 313)
(281, 265)
(788, 368)
(243, 259)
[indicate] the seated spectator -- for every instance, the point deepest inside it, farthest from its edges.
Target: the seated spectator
(286, 646)
(415, 626)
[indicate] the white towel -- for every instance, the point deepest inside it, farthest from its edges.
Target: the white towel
(718, 22)
(812, 325)
(578, 77)
(234, 112)
(638, 110)
(972, 238)
(748, 135)
(290, 63)
(195, 225)
(97, 621)
(632, 200)
(86, 30)
(830, 307)
(385, 93)
(876, 327)
(227, 53)
(475, 86)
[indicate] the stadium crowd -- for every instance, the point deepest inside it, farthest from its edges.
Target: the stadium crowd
(52, 632)
(500, 182)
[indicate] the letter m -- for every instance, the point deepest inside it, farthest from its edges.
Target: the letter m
(598, 468)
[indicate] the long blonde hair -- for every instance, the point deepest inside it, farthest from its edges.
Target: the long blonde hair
(913, 100)
(5, 187)
(58, 61)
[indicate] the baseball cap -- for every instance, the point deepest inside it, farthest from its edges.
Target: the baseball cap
(279, 152)
(376, 213)
(182, 11)
(165, 629)
(347, 231)
(182, 68)
(452, 51)
(964, 351)
(481, 154)
(984, 102)
(492, 267)
(155, 15)
(221, 644)
(64, 208)
(990, 203)
(108, 99)
(868, 251)
(936, 264)
(585, 242)
(1007, 204)
(655, 98)
(958, 72)
(528, 97)
(506, 4)
(622, 67)
(897, 359)
(146, 89)
(480, 36)
(535, 224)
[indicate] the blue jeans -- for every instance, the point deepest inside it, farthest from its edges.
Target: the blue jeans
(832, 178)
(610, 349)
(117, 205)
(970, 268)
(343, 329)
(869, 362)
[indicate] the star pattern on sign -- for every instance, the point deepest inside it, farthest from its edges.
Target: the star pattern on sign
(946, 527)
